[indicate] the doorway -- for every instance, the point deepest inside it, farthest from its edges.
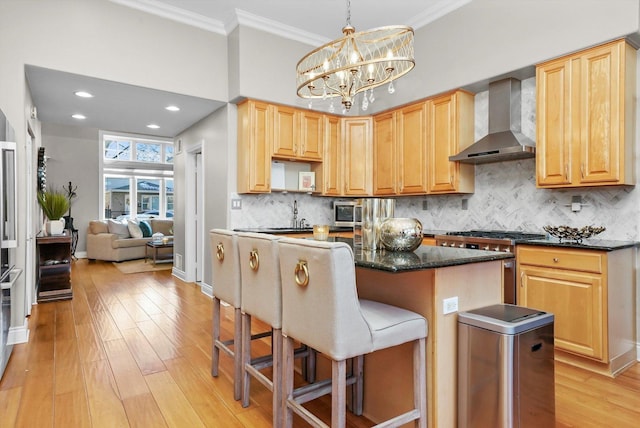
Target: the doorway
(194, 221)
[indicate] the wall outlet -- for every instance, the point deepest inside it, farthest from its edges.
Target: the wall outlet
(236, 204)
(424, 205)
(465, 204)
(450, 305)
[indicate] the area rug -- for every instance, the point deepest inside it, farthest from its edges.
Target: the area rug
(137, 266)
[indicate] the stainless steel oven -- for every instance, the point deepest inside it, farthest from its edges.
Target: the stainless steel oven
(492, 240)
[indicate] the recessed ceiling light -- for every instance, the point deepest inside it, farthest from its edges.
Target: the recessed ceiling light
(83, 94)
(78, 116)
(153, 126)
(172, 108)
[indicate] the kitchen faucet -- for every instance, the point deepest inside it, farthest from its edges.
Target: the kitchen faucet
(295, 214)
(295, 223)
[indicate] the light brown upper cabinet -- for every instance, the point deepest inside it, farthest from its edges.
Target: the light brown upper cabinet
(384, 154)
(450, 121)
(400, 151)
(357, 154)
(585, 117)
(332, 164)
(297, 134)
(254, 147)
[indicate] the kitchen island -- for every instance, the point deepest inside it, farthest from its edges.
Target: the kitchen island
(420, 281)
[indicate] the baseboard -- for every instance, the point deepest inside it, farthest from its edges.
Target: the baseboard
(81, 255)
(638, 351)
(206, 289)
(178, 273)
(19, 334)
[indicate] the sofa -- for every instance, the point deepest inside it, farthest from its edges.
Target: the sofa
(115, 241)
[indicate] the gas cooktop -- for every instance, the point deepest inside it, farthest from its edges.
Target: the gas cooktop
(498, 234)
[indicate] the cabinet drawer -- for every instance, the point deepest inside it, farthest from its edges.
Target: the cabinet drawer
(580, 260)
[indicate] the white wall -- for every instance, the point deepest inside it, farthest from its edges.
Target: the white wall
(216, 135)
(104, 40)
(74, 154)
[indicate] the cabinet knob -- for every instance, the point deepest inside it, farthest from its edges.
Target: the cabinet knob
(556, 260)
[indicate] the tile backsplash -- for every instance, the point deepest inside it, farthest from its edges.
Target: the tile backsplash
(505, 197)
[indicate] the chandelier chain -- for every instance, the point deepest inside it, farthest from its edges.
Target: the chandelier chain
(349, 13)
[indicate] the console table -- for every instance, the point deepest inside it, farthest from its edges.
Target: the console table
(54, 267)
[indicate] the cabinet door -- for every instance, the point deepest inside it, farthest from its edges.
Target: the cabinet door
(254, 147)
(577, 301)
(332, 159)
(600, 118)
(450, 129)
(311, 135)
(412, 149)
(555, 129)
(357, 156)
(285, 139)
(585, 115)
(384, 154)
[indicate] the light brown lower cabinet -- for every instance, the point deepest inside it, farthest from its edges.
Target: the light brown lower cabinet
(592, 296)
(428, 241)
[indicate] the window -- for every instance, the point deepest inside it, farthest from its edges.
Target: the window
(137, 176)
(117, 149)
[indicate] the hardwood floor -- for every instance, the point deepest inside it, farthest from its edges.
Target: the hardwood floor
(134, 350)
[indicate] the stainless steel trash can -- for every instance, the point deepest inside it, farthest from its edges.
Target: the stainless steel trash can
(505, 368)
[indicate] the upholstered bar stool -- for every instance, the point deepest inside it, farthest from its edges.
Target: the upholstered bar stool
(262, 299)
(226, 287)
(320, 307)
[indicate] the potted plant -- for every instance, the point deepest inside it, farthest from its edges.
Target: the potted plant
(54, 205)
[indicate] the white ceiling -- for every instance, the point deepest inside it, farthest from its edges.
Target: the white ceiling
(127, 108)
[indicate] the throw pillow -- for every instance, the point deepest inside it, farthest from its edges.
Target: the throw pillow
(120, 229)
(98, 226)
(134, 229)
(145, 227)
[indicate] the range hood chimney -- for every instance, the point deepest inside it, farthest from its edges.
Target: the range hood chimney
(504, 140)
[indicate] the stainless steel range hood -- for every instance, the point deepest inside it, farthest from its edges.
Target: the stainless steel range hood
(504, 140)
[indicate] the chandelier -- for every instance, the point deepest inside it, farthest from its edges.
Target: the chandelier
(356, 62)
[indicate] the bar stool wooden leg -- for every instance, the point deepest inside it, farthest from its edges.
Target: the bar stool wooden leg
(338, 393)
(237, 354)
(215, 353)
(246, 357)
(277, 340)
(419, 381)
(287, 380)
(357, 393)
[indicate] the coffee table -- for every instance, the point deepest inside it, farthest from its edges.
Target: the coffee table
(154, 247)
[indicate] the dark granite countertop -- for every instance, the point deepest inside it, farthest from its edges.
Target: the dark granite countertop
(291, 230)
(433, 233)
(587, 244)
(425, 257)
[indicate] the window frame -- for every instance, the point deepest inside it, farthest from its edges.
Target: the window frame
(134, 170)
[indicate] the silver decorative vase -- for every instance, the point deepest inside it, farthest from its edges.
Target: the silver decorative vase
(401, 234)
(374, 212)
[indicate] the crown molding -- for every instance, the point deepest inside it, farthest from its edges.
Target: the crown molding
(175, 14)
(436, 11)
(242, 17)
(278, 28)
